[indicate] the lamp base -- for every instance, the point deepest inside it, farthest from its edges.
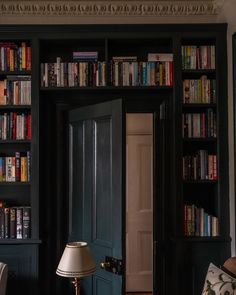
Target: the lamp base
(76, 283)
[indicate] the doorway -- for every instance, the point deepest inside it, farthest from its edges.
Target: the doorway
(97, 193)
(139, 203)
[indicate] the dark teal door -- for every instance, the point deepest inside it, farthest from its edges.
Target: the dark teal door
(96, 186)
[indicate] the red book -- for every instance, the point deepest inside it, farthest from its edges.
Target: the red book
(29, 126)
(28, 58)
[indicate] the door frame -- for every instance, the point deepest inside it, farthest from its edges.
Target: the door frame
(130, 105)
(159, 185)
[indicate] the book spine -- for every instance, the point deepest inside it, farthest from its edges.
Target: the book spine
(7, 222)
(23, 173)
(28, 166)
(26, 222)
(12, 223)
(19, 225)
(2, 223)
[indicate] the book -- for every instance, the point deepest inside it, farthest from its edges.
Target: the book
(23, 169)
(85, 55)
(3, 92)
(2, 221)
(18, 167)
(160, 57)
(26, 222)
(19, 223)
(7, 222)
(12, 222)
(124, 58)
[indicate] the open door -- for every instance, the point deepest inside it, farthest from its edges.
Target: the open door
(96, 191)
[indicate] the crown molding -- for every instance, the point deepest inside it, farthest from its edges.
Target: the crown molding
(74, 8)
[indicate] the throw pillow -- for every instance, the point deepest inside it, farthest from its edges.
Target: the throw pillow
(218, 282)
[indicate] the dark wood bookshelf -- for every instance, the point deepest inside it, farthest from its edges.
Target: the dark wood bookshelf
(109, 88)
(15, 107)
(14, 183)
(199, 105)
(199, 181)
(19, 241)
(21, 141)
(177, 258)
(218, 239)
(15, 73)
(199, 139)
(198, 71)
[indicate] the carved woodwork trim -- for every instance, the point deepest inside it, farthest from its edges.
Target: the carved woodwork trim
(110, 8)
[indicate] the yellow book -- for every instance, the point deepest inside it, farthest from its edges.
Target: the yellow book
(23, 169)
(12, 66)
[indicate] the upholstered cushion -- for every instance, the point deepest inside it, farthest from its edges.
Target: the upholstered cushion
(3, 278)
(218, 282)
(230, 266)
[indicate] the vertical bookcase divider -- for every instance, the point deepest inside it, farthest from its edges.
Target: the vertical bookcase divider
(35, 138)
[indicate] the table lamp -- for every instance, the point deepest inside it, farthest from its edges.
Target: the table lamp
(76, 262)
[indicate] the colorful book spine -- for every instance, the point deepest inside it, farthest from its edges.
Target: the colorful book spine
(26, 222)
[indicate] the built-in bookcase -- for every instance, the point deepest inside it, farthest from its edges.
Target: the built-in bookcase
(199, 131)
(181, 67)
(18, 205)
(15, 139)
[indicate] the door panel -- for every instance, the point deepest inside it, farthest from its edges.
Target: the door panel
(139, 203)
(96, 188)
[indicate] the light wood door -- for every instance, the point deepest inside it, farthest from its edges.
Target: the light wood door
(139, 203)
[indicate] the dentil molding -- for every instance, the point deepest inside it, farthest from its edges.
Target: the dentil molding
(109, 8)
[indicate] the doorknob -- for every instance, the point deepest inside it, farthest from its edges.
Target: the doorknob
(113, 265)
(105, 264)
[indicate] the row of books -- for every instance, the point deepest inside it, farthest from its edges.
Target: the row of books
(199, 125)
(201, 166)
(15, 222)
(150, 73)
(198, 57)
(15, 126)
(199, 223)
(15, 90)
(73, 74)
(15, 57)
(15, 169)
(202, 90)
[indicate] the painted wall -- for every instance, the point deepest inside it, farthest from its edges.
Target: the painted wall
(227, 15)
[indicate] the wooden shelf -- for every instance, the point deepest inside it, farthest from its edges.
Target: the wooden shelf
(198, 72)
(16, 73)
(14, 183)
(205, 239)
(198, 105)
(200, 181)
(7, 141)
(200, 139)
(9, 107)
(106, 88)
(19, 241)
